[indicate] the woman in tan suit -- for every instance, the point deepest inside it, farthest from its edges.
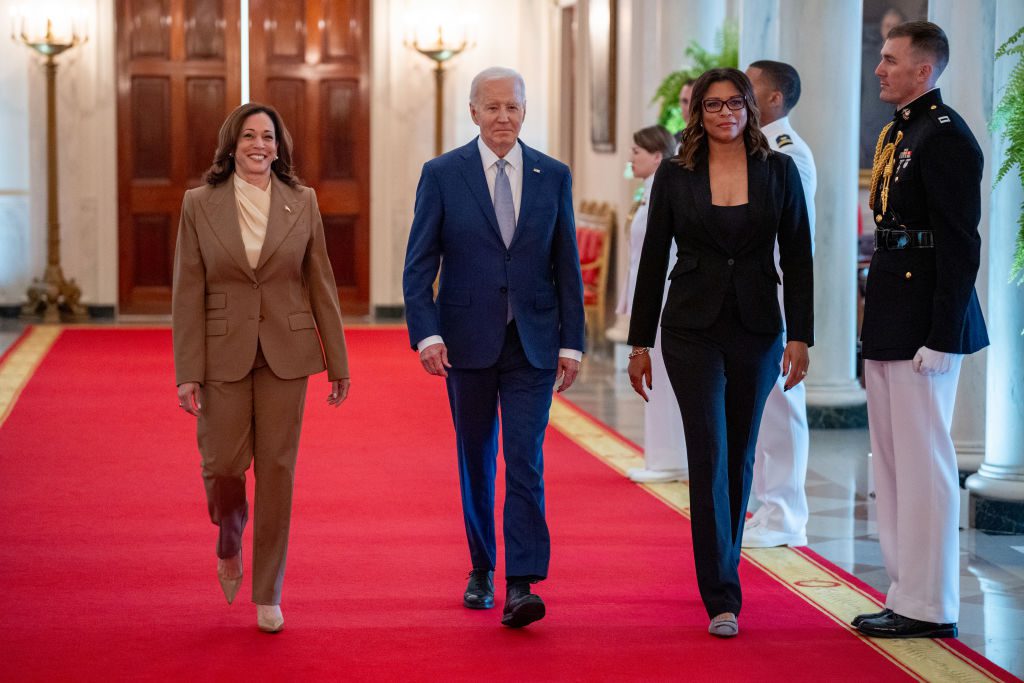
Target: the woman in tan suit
(255, 312)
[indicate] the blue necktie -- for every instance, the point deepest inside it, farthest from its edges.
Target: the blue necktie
(503, 206)
(506, 213)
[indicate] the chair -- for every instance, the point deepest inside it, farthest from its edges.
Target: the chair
(595, 229)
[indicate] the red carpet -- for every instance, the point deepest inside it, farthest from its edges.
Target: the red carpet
(106, 554)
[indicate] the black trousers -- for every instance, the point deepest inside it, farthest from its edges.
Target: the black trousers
(721, 377)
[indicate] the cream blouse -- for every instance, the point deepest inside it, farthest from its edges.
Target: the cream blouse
(253, 213)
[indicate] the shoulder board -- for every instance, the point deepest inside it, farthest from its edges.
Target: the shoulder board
(940, 114)
(783, 140)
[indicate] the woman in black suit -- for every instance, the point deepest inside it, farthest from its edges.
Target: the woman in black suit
(725, 199)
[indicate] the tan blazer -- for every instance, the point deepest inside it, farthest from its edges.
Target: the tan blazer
(221, 307)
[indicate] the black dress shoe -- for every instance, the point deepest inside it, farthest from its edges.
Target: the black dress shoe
(480, 590)
(860, 618)
(894, 625)
(521, 606)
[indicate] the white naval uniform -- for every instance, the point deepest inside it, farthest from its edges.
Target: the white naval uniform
(780, 462)
(664, 443)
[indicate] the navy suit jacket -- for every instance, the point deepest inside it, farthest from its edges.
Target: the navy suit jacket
(455, 228)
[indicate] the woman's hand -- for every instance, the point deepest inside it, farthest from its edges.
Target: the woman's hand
(640, 372)
(339, 392)
(188, 398)
(794, 363)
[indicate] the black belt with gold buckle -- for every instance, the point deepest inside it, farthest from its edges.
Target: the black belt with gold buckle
(891, 240)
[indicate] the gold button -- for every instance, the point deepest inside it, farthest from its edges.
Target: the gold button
(908, 275)
(878, 218)
(935, 106)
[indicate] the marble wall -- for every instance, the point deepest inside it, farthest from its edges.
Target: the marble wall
(517, 35)
(87, 163)
(17, 251)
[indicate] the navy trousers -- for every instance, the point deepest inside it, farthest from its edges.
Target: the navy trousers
(721, 377)
(523, 394)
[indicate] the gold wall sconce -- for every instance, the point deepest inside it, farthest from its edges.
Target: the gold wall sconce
(439, 41)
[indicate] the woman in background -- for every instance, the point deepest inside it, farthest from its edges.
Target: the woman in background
(664, 444)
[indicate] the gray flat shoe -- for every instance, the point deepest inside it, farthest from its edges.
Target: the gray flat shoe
(724, 625)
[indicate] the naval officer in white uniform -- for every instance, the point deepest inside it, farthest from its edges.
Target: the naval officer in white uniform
(780, 461)
(664, 444)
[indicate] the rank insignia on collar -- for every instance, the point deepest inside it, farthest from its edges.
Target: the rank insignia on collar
(783, 140)
(943, 119)
(906, 114)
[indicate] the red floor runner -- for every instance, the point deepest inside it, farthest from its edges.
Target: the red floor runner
(106, 555)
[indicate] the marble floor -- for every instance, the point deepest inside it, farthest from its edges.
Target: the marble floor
(842, 527)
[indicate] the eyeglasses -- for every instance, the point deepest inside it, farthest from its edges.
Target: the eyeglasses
(734, 104)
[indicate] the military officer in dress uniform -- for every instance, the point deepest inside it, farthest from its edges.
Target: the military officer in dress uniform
(780, 461)
(921, 314)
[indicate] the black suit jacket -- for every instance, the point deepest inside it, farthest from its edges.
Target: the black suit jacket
(926, 297)
(680, 209)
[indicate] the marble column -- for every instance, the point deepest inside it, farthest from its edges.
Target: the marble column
(967, 87)
(1001, 475)
(759, 31)
(828, 119)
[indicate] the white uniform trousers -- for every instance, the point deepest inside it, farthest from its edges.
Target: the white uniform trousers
(917, 487)
(664, 443)
(780, 463)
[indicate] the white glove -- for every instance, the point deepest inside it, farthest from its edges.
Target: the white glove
(929, 363)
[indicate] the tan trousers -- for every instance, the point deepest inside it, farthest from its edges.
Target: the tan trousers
(257, 418)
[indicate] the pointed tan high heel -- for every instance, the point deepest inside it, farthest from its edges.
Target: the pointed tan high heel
(230, 582)
(269, 618)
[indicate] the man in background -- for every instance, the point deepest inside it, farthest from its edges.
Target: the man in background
(780, 462)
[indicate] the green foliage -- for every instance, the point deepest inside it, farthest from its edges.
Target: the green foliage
(727, 44)
(1009, 116)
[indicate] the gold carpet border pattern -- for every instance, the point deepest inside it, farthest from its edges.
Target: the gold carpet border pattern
(17, 369)
(921, 659)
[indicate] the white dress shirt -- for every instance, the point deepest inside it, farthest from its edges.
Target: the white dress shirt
(514, 171)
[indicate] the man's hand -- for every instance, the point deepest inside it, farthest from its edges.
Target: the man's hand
(930, 363)
(339, 392)
(640, 373)
(434, 359)
(567, 371)
(188, 398)
(794, 363)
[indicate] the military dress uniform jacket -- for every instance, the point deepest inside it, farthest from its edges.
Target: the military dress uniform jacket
(222, 308)
(925, 296)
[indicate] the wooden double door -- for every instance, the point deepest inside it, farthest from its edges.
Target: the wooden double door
(179, 75)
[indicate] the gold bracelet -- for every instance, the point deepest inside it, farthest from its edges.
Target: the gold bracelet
(638, 352)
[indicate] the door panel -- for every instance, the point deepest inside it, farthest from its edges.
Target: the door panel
(178, 78)
(310, 60)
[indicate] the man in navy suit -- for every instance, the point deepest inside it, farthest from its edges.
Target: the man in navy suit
(506, 325)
